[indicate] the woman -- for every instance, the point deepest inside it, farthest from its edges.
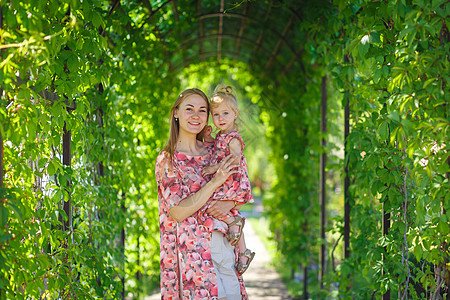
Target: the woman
(187, 271)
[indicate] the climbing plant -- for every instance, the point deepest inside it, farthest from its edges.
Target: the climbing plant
(388, 58)
(397, 147)
(83, 227)
(85, 91)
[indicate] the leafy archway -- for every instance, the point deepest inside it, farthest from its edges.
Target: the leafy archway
(85, 90)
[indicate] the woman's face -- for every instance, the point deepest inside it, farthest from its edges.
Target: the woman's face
(192, 114)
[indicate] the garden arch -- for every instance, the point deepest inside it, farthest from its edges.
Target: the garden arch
(85, 89)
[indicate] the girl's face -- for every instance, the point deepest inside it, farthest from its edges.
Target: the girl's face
(192, 114)
(224, 117)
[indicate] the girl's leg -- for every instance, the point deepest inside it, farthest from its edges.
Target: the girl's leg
(241, 243)
(245, 256)
(235, 226)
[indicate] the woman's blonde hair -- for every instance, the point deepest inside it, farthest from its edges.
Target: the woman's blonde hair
(224, 94)
(175, 126)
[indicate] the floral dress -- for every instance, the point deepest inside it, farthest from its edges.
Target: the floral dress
(236, 187)
(185, 246)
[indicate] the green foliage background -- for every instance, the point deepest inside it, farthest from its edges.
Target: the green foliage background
(101, 73)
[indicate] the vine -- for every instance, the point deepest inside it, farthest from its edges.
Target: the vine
(89, 80)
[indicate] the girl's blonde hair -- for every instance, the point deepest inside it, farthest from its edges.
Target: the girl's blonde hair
(175, 126)
(224, 94)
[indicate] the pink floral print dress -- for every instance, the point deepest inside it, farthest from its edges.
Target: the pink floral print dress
(236, 187)
(185, 246)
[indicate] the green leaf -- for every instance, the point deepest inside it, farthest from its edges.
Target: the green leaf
(394, 116)
(42, 162)
(363, 46)
(17, 212)
(43, 261)
(375, 37)
(63, 213)
(385, 71)
(377, 75)
(3, 216)
(4, 238)
(80, 43)
(97, 20)
(51, 170)
(418, 252)
(407, 124)
(443, 228)
(383, 131)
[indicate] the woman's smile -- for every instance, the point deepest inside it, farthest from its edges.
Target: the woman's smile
(192, 114)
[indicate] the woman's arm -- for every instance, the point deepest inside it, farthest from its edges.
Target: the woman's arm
(194, 202)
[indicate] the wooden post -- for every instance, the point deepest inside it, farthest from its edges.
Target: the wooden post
(2, 174)
(67, 155)
(122, 245)
(322, 196)
(386, 226)
(305, 282)
(346, 183)
(346, 178)
(101, 169)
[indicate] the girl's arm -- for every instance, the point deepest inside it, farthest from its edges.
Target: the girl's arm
(236, 150)
(188, 206)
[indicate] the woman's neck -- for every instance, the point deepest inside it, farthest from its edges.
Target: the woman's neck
(188, 144)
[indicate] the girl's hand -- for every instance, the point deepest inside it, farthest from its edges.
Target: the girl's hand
(207, 134)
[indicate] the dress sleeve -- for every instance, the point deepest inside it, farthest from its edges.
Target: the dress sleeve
(171, 189)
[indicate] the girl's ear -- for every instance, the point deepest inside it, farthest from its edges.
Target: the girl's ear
(175, 113)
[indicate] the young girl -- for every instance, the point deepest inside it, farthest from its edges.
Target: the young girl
(224, 110)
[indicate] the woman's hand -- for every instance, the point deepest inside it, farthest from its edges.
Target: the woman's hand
(194, 202)
(209, 170)
(219, 209)
(225, 168)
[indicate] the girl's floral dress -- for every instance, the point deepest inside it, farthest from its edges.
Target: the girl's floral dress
(236, 187)
(185, 246)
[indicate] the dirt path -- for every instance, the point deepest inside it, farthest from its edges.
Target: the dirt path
(261, 280)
